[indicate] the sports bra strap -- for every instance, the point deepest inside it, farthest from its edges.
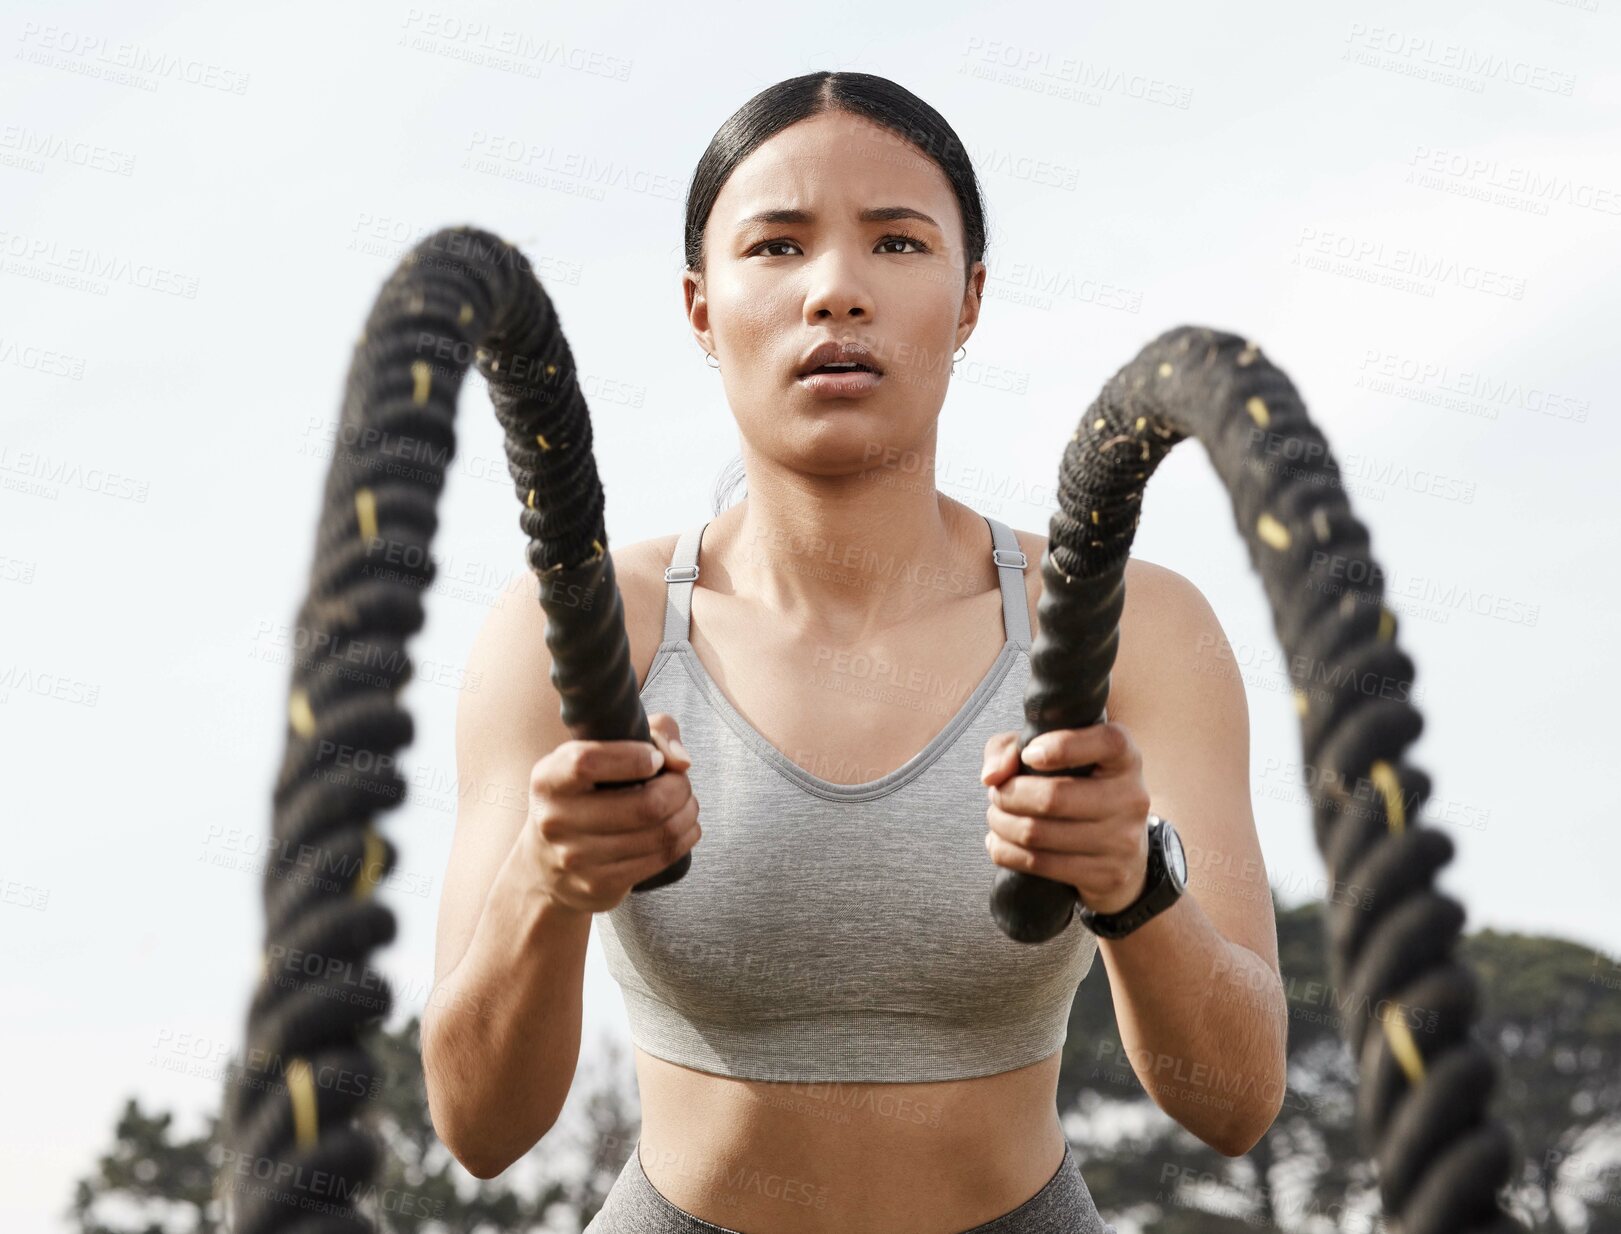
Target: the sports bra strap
(1010, 559)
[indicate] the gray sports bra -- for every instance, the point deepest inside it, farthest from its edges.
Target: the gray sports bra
(833, 931)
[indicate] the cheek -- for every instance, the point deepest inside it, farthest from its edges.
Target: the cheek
(750, 316)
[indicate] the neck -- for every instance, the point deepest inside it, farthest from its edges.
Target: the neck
(849, 556)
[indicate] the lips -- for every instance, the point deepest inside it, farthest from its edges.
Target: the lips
(848, 357)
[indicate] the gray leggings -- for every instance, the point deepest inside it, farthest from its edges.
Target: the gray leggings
(1063, 1206)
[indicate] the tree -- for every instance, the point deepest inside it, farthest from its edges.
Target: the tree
(1550, 1012)
(153, 1182)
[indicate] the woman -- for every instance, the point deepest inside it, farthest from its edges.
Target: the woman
(831, 1031)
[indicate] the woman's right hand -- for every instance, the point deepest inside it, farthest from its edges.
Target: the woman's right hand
(593, 845)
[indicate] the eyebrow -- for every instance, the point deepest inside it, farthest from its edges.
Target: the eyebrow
(873, 214)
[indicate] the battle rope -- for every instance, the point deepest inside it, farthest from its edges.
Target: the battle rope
(298, 1157)
(296, 1160)
(1422, 1099)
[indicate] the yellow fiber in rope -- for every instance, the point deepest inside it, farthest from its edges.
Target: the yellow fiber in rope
(530, 500)
(544, 444)
(1247, 356)
(366, 512)
(1258, 412)
(371, 865)
(1402, 1044)
(465, 316)
(1387, 624)
(1386, 781)
(1272, 532)
(300, 713)
(1301, 701)
(301, 1092)
(1165, 368)
(422, 380)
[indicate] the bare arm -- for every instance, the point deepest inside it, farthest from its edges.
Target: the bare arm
(501, 1033)
(1198, 995)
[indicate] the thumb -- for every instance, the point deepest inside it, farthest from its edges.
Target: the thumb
(666, 735)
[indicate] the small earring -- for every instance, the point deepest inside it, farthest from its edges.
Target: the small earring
(954, 359)
(709, 355)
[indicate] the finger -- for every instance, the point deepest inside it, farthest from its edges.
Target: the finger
(1108, 746)
(667, 737)
(1001, 757)
(610, 856)
(1067, 868)
(1069, 797)
(1046, 835)
(1084, 798)
(618, 811)
(577, 765)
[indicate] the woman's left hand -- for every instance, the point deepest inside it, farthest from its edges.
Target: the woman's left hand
(1088, 831)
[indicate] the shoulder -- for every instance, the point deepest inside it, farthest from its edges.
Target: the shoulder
(639, 574)
(1166, 622)
(1150, 588)
(515, 632)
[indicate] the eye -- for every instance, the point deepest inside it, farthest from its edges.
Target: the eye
(894, 238)
(905, 239)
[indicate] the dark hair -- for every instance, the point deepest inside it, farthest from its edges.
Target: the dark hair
(864, 94)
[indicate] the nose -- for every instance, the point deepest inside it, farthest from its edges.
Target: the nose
(837, 292)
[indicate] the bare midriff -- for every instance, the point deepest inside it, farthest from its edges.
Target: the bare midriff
(792, 1157)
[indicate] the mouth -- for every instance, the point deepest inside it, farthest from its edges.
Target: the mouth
(840, 380)
(830, 358)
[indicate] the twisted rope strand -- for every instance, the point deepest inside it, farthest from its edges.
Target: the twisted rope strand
(1423, 1096)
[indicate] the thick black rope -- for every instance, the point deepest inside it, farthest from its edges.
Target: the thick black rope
(1422, 1101)
(296, 1158)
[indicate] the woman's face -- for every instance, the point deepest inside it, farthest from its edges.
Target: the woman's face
(773, 289)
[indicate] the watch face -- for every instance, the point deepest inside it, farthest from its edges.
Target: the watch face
(1175, 858)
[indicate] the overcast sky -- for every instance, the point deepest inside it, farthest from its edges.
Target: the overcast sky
(1416, 212)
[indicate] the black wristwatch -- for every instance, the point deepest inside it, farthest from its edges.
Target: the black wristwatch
(1167, 877)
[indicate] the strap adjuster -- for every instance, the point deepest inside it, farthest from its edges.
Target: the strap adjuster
(677, 574)
(998, 553)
